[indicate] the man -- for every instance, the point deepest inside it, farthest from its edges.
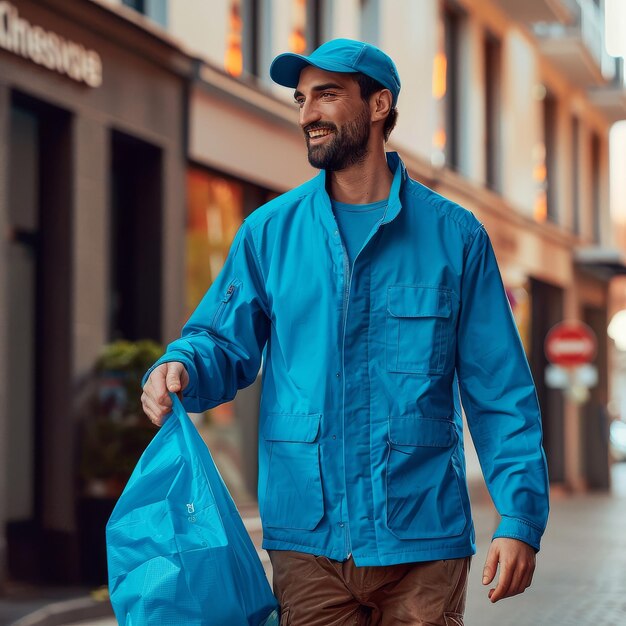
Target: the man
(367, 295)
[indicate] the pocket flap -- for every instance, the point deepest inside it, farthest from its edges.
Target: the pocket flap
(421, 431)
(407, 301)
(302, 428)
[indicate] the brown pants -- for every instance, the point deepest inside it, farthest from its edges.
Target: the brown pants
(317, 591)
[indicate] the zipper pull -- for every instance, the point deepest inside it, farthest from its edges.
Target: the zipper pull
(229, 293)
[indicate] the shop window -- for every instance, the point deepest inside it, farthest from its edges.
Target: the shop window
(316, 23)
(438, 92)
(136, 238)
(595, 186)
(216, 207)
(214, 213)
(493, 111)
(249, 33)
(298, 36)
(575, 174)
(370, 19)
(137, 5)
(518, 295)
(233, 58)
(453, 23)
(251, 36)
(309, 26)
(156, 10)
(550, 121)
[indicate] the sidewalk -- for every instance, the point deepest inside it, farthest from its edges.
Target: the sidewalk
(581, 569)
(49, 606)
(29, 606)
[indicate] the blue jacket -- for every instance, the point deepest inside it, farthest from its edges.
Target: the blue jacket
(360, 446)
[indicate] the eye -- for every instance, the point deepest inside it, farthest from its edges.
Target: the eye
(299, 101)
(327, 94)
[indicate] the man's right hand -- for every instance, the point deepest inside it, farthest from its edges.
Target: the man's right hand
(155, 398)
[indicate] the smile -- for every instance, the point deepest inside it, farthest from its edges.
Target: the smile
(319, 132)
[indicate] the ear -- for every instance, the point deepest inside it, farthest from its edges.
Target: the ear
(381, 104)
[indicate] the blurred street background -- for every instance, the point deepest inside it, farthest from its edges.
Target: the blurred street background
(136, 135)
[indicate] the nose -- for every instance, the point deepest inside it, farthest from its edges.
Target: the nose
(309, 113)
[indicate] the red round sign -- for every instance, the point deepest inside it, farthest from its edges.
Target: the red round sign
(570, 344)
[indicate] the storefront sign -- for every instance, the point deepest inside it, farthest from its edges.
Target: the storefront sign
(48, 49)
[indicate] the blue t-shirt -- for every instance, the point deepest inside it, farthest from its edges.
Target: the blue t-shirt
(355, 222)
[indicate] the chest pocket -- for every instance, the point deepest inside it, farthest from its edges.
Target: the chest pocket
(418, 329)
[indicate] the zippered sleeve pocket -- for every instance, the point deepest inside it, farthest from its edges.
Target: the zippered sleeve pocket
(224, 302)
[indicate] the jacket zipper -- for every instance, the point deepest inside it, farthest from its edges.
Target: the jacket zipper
(225, 298)
(348, 271)
(346, 300)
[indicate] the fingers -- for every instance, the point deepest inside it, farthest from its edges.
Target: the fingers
(528, 573)
(491, 564)
(512, 583)
(504, 582)
(155, 408)
(155, 387)
(154, 411)
(155, 399)
(176, 378)
(517, 566)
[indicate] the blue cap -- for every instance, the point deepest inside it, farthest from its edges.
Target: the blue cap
(339, 55)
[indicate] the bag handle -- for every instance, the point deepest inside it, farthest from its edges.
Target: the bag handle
(186, 425)
(208, 471)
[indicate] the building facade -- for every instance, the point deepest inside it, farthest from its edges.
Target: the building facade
(92, 179)
(137, 135)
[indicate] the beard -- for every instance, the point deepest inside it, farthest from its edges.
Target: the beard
(347, 147)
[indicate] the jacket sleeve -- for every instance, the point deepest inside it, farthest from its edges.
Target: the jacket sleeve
(499, 398)
(222, 342)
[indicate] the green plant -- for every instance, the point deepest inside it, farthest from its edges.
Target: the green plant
(130, 360)
(114, 430)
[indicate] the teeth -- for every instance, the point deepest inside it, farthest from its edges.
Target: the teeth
(319, 133)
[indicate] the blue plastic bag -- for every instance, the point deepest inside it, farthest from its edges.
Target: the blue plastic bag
(178, 552)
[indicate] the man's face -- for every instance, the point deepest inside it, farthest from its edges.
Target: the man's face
(335, 120)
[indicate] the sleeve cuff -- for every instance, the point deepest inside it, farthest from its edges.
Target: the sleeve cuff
(513, 528)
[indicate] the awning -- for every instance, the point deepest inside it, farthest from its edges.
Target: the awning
(601, 262)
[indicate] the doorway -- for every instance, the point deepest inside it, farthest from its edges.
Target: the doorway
(547, 310)
(136, 221)
(595, 426)
(39, 338)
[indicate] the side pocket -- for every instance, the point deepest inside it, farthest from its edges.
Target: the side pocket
(293, 497)
(423, 492)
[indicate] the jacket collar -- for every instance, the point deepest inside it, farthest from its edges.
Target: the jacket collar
(399, 176)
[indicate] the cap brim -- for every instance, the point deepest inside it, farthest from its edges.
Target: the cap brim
(285, 69)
